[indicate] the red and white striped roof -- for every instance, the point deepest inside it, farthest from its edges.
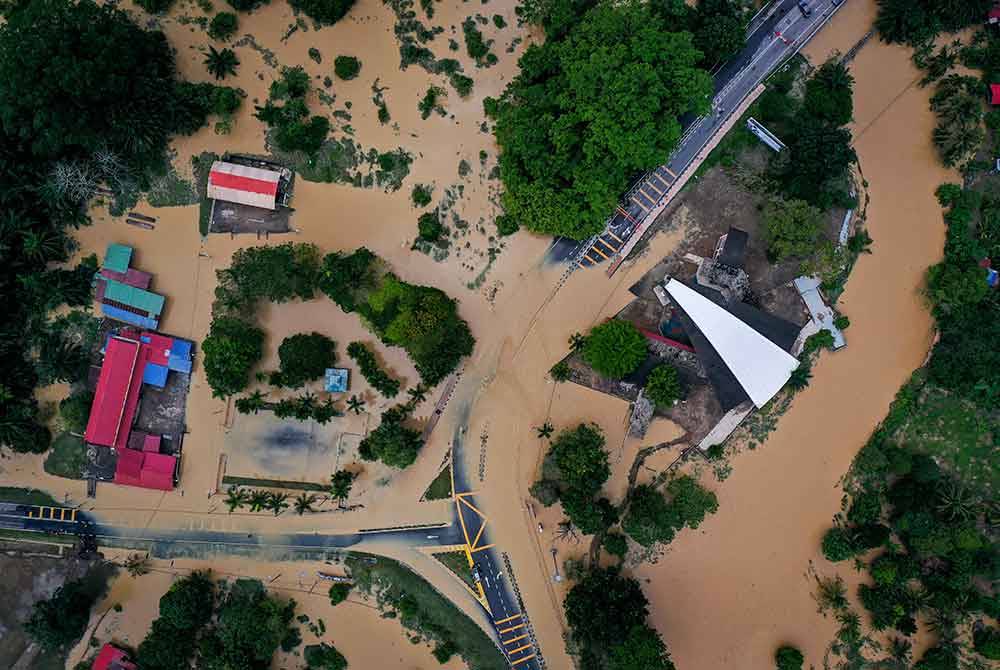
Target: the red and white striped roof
(243, 184)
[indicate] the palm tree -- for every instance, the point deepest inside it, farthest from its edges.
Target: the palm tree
(304, 503)
(355, 404)
(800, 377)
(304, 406)
(956, 503)
(340, 485)
(251, 404)
(576, 341)
(136, 564)
(566, 530)
(418, 394)
(259, 500)
(545, 431)
(42, 246)
(236, 498)
(277, 502)
(221, 64)
(956, 141)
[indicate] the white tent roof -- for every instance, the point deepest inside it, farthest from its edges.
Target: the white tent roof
(759, 365)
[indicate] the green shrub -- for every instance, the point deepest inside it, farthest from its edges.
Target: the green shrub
(615, 348)
(841, 322)
(431, 102)
(838, 545)
(461, 84)
(370, 370)
(663, 387)
(75, 411)
(788, 658)
(987, 642)
(429, 226)
(392, 443)
(443, 651)
(223, 26)
(506, 225)
(616, 544)
(326, 12)
(246, 5)
(561, 371)
(155, 6)
(421, 195)
(346, 67)
(339, 593)
(499, 21)
(232, 348)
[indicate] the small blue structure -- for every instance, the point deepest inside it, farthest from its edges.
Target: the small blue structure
(180, 356)
(119, 314)
(992, 278)
(154, 375)
(336, 380)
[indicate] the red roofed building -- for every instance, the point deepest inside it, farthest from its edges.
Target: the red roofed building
(995, 94)
(112, 658)
(145, 469)
(117, 393)
(243, 184)
(994, 16)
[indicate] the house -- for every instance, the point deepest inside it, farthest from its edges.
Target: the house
(112, 658)
(123, 291)
(744, 351)
(244, 184)
(335, 380)
(132, 360)
(995, 94)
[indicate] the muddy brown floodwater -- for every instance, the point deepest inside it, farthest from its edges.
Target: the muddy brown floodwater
(723, 596)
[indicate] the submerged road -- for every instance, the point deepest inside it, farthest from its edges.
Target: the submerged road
(776, 33)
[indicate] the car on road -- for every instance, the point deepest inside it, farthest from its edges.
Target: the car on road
(476, 575)
(805, 8)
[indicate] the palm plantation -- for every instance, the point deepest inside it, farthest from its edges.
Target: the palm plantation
(222, 63)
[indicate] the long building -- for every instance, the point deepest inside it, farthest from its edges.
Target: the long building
(243, 184)
(123, 291)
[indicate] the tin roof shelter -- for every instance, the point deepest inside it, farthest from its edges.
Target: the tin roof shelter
(335, 380)
(112, 658)
(123, 291)
(757, 363)
(243, 184)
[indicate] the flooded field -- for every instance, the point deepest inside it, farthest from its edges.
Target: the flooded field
(723, 596)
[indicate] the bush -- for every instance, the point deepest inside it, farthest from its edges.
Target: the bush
(246, 5)
(305, 357)
(652, 518)
(838, 545)
(232, 348)
(615, 348)
(346, 67)
(788, 658)
(421, 195)
(987, 642)
(370, 370)
(155, 6)
(506, 225)
(663, 387)
(429, 226)
(75, 411)
(616, 544)
(461, 84)
(392, 443)
(443, 651)
(791, 228)
(561, 371)
(223, 26)
(339, 593)
(326, 12)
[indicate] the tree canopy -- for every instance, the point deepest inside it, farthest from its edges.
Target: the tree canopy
(615, 348)
(792, 228)
(232, 348)
(589, 109)
(574, 471)
(652, 518)
(326, 12)
(304, 357)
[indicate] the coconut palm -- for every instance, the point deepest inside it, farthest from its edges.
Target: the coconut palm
(576, 341)
(304, 406)
(800, 377)
(355, 404)
(222, 63)
(417, 394)
(566, 530)
(956, 503)
(42, 246)
(340, 485)
(258, 500)
(137, 564)
(277, 502)
(251, 404)
(236, 498)
(545, 431)
(957, 141)
(304, 503)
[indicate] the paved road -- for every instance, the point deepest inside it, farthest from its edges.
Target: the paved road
(777, 32)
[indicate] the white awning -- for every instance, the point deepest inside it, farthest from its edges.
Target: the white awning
(759, 365)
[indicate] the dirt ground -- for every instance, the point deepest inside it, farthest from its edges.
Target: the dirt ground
(723, 596)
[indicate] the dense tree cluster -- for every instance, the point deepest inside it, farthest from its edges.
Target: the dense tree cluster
(88, 98)
(959, 108)
(326, 12)
(304, 357)
(918, 21)
(293, 128)
(653, 518)
(573, 473)
(346, 67)
(58, 621)
(792, 228)
(615, 348)
(74, 410)
(393, 442)
(593, 105)
(607, 617)
(223, 26)
(232, 348)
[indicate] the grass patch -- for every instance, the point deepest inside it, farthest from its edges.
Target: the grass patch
(440, 488)
(171, 190)
(202, 164)
(422, 609)
(458, 564)
(15, 494)
(67, 457)
(274, 483)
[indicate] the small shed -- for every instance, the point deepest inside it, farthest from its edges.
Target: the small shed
(335, 380)
(117, 258)
(993, 17)
(243, 184)
(112, 658)
(995, 94)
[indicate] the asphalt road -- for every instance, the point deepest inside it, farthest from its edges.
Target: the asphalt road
(776, 32)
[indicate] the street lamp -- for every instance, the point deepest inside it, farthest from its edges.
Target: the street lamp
(556, 577)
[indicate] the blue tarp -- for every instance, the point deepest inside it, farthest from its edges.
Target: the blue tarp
(118, 314)
(155, 375)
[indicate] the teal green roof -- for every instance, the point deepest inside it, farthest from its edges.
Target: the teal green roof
(139, 298)
(117, 257)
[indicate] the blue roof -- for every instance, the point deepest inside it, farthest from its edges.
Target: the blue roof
(155, 375)
(180, 356)
(336, 380)
(119, 314)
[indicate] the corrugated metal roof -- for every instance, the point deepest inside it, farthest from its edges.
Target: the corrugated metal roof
(243, 184)
(117, 258)
(133, 297)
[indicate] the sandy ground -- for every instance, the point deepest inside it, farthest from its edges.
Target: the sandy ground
(723, 596)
